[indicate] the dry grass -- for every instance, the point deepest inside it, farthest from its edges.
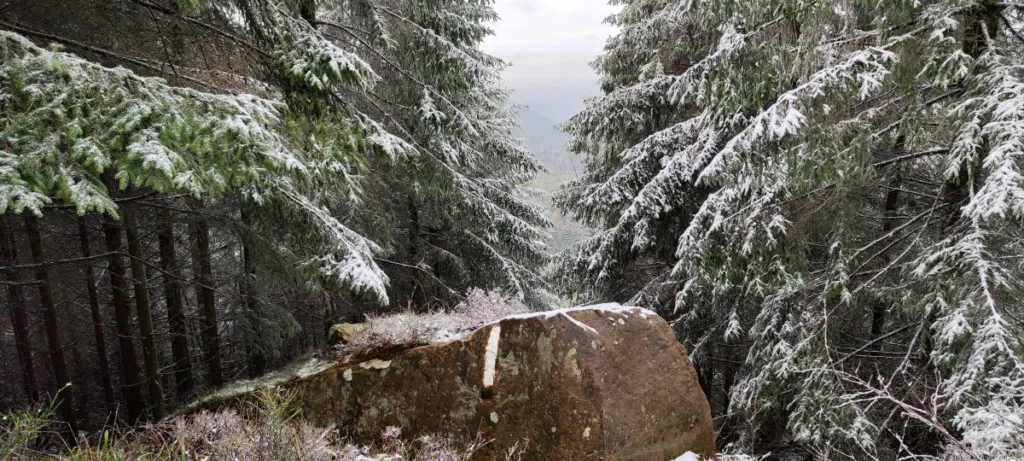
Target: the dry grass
(268, 430)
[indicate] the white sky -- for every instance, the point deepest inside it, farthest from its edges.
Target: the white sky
(550, 43)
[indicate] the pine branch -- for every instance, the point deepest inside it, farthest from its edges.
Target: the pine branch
(233, 38)
(141, 62)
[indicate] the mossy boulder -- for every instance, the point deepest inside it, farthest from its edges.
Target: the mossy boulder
(602, 383)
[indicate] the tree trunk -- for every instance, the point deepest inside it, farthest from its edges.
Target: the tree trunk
(103, 368)
(208, 301)
(139, 283)
(64, 392)
(182, 367)
(418, 297)
(19, 318)
(130, 382)
(257, 360)
(881, 308)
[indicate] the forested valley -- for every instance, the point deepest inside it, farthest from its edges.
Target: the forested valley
(822, 199)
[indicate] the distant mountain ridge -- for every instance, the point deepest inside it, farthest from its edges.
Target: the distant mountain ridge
(548, 146)
(546, 142)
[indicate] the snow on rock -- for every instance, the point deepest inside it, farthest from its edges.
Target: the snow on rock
(606, 308)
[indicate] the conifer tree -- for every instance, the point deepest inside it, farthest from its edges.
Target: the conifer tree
(64, 391)
(301, 116)
(846, 182)
(19, 317)
(462, 194)
(144, 311)
(102, 364)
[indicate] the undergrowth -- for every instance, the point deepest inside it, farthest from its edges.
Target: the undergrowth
(267, 429)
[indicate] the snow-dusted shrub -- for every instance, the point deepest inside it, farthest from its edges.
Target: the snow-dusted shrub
(408, 328)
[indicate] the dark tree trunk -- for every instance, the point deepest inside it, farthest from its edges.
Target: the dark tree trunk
(729, 430)
(139, 283)
(130, 383)
(880, 310)
(207, 300)
(418, 297)
(64, 392)
(257, 360)
(182, 367)
(16, 302)
(103, 367)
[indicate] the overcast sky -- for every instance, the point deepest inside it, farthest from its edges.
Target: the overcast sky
(550, 43)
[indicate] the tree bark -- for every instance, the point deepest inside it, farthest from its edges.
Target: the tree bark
(177, 323)
(208, 301)
(418, 297)
(19, 318)
(64, 392)
(880, 310)
(103, 368)
(130, 383)
(139, 283)
(257, 360)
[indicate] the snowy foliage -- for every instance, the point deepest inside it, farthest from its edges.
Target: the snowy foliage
(465, 181)
(326, 125)
(835, 189)
(407, 328)
(127, 132)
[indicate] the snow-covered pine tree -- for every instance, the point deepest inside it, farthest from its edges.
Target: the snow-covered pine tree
(860, 237)
(459, 202)
(281, 129)
(168, 139)
(243, 130)
(624, 137)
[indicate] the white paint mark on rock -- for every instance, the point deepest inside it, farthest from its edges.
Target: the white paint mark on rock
(491, 355)
(579, 323)
(688, 456)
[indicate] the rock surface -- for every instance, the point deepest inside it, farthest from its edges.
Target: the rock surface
(601, 382)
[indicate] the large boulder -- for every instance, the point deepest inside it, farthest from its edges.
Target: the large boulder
(601, 382)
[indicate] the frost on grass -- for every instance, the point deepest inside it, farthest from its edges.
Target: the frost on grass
(410, 329)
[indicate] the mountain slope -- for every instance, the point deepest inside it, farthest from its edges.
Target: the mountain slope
(547, 143)
(548, 146)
